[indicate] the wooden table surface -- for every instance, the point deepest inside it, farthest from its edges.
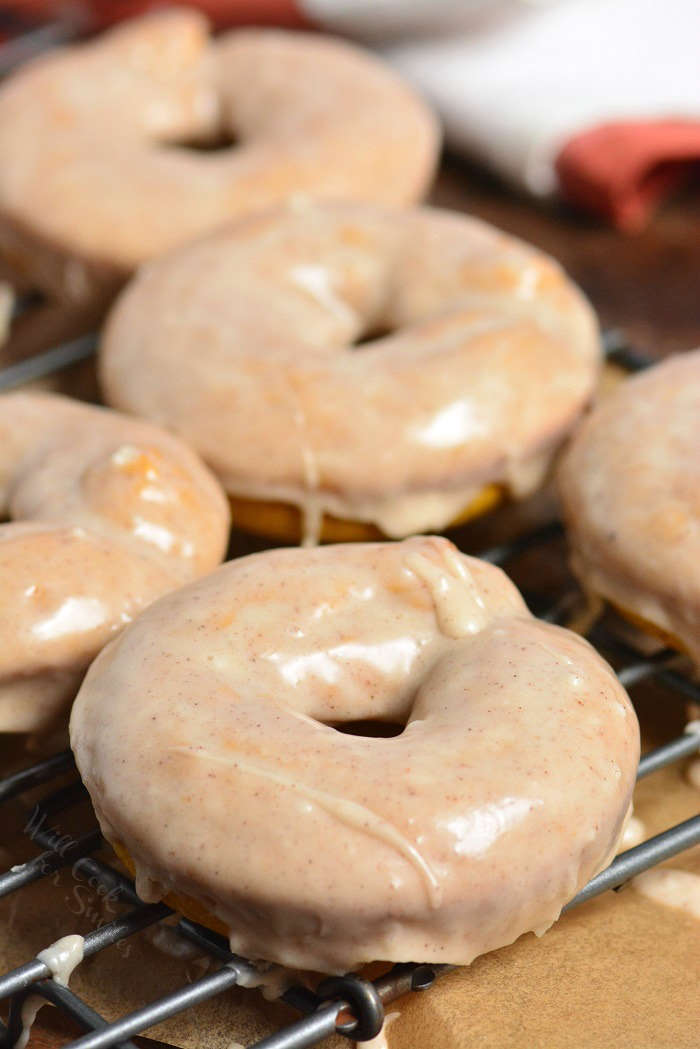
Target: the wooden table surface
(647, 285)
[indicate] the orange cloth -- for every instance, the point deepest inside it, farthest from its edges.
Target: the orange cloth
(99, 13)
(623, 171)
(221, 12)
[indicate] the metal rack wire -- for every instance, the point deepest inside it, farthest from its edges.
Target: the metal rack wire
(351, 1006)
(27, 39)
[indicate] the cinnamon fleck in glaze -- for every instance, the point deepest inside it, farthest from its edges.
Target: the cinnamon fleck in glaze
(107, 514)
(630, 489)
(245, 345)
(205, 735)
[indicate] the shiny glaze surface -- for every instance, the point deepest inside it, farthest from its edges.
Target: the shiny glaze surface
(107, 513)
(94, 139)
(244, 343)
(630, 489)
(205, 735)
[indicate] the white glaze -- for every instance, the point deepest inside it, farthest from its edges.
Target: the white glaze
(271, 980)
(28, 1013)
(61, 957)
(450, 585)
(357, 817)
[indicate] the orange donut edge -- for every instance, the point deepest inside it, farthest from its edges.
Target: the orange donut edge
(284, 521)
(185, 905)
(190, 908)
(647, 627)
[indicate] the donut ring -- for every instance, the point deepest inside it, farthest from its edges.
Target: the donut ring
(108, 514)
(242, 343)
(92, 182)
(204, 735)
(630, 493)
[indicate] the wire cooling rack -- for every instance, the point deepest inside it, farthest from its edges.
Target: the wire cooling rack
(350, 1006)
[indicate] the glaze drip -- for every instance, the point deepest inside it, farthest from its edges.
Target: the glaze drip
(61, 957)
(353, 815)
(459, 606)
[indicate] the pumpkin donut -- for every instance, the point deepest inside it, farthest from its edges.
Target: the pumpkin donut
(208, 736)
(107, 514)
(245, 344)
(101, 142)
(630, 493)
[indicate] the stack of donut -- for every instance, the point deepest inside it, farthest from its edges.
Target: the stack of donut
(349, 366)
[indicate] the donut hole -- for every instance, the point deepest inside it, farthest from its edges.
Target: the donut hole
(369, 727)
(220, 141)
(372, 334)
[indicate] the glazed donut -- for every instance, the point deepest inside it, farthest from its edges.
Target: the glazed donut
(242, 343)
(107, 514)
(96, 176)
(205, 735)
(630, 493)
